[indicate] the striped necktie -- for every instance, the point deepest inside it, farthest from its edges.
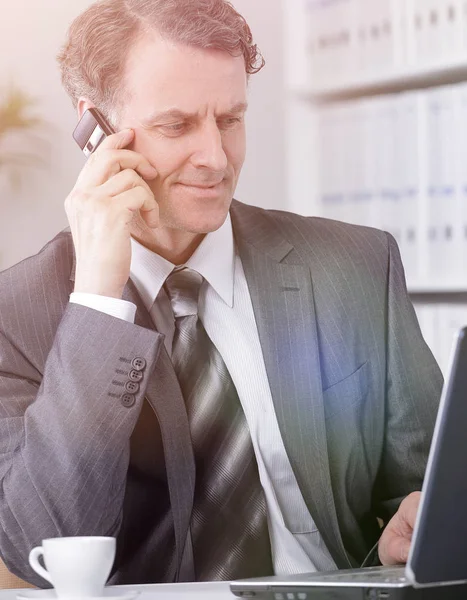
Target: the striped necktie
(229, 525)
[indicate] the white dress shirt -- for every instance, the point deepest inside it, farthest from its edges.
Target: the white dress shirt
(226, 312)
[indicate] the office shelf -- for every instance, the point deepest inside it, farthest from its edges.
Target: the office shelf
(408, 79)
(434, 288)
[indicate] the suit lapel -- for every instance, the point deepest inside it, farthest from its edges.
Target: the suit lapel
(282, 296)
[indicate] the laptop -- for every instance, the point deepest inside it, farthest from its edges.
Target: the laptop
(437, 564)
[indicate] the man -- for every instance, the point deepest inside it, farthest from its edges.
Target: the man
(229, 391)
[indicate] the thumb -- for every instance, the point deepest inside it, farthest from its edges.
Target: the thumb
(394, 551)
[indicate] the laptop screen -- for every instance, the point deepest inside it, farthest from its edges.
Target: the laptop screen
(439, 546)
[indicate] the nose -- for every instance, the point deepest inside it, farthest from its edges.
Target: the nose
(209, 150)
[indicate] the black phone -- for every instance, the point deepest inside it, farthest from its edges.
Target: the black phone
(91, 130)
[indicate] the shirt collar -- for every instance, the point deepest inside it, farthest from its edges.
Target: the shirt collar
(214, 259)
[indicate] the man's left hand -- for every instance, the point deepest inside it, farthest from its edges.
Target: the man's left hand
(394, 544)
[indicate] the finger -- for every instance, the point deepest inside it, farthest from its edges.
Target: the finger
(138, 197)
(134, 199)
(105, 165)
(142, 199)
(118, 140)
(123, 181)
(151, 217)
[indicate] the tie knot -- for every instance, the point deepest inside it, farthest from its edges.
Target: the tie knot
(183, 287)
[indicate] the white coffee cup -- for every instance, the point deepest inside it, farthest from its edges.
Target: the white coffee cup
(77, 567)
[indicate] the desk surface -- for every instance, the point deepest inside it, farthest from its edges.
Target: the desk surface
(171, 591)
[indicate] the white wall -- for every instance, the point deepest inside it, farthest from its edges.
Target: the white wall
(31, 33)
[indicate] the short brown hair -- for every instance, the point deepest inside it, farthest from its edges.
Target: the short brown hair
(93, 58)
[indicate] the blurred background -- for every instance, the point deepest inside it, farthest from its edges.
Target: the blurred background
(31, 33)
(360, 115)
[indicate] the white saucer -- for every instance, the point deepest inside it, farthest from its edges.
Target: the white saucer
(110, 593)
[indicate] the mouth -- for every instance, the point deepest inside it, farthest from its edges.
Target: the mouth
(204, 186)
(203, 190)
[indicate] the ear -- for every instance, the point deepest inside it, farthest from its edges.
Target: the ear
(83, 105)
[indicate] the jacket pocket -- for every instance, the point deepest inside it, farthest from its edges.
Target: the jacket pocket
(345, 393)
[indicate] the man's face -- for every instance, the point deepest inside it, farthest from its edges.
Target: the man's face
(187, 108)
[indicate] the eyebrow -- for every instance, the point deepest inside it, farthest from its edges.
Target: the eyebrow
(175, 113)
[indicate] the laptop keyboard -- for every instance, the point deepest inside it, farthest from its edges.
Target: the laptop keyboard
(381, 574)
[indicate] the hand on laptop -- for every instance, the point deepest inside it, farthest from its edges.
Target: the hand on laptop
(394, 544)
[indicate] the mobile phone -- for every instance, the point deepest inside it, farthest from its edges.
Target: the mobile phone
(91, 130)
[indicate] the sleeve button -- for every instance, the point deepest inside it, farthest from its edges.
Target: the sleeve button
(132, 387)
(128, 400)
(139, 364)
(136, 376)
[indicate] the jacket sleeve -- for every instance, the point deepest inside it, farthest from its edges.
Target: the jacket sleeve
(413, 391)
(65, 433)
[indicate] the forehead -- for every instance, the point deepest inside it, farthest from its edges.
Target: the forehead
(161, 74)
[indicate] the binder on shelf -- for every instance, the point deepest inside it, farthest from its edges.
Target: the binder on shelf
(316, 37)
(363, 37)
(461, 165)
(366, 36)
(342, 140)
(413, 32)
(325, 27)
(385, 25)
(463, 26)
(343, 67)
(427, 315)
(330, 171)
(352, 142)
(325, 40)
(410, 154)
(435, 31)
(424, 27)
(442, 187)
(352, 42)
(347, 150)
(450, 29)
(298, 42)
(331, 40)
(369, 144)
(323, 155)
(439, 323)
(374, 16)
(386, 172)
(451, 317)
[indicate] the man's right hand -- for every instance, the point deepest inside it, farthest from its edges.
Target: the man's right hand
(100, 209)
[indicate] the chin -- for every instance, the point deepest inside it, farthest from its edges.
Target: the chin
(201, 226)
(199, 216)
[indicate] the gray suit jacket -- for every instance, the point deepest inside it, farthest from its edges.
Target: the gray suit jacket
(354, 385)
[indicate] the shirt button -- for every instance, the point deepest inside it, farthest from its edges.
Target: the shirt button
(136, 376)
(139, 364)
(132, 387)
(128, 400)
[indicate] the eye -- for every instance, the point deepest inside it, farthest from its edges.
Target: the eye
(175, 127)
(229, 122)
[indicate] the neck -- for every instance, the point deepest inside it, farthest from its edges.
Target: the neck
(173, 245)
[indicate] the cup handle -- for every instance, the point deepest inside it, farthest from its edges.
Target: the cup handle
(36, 565)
